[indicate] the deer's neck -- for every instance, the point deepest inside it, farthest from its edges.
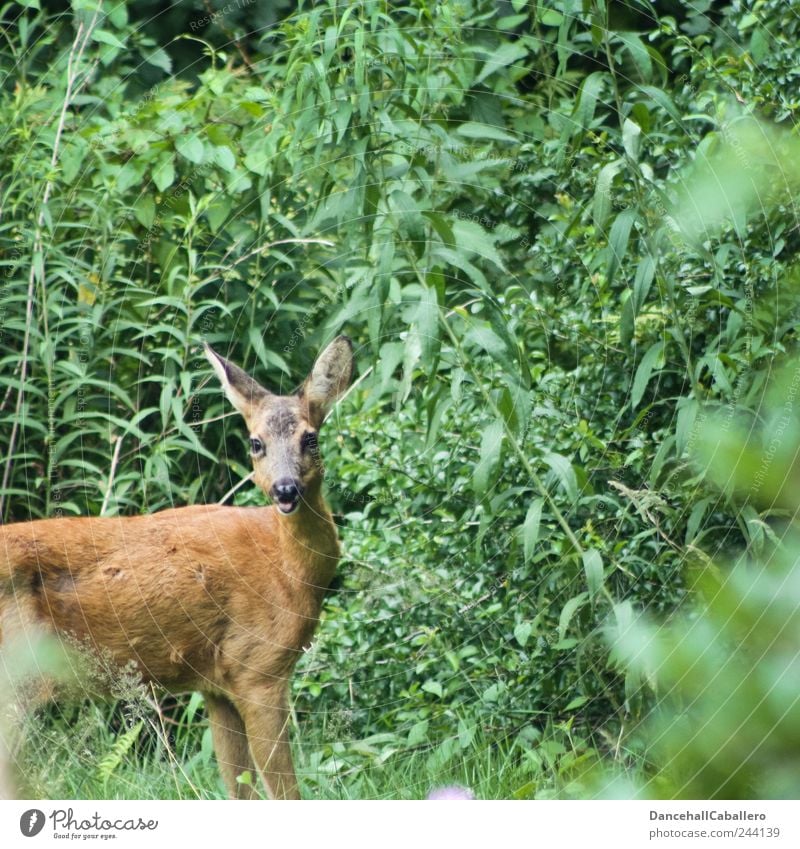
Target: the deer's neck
(309, 541)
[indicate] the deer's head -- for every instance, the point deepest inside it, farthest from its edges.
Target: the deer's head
(283, 428)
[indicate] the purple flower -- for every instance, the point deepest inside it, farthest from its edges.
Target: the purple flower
(451, 793)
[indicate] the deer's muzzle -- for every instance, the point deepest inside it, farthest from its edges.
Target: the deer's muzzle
(286, 493)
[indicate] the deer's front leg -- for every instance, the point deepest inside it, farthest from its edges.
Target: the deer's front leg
(266, 718)
(230, 746)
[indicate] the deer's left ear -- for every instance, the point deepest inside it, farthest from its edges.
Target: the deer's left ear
(329, 378)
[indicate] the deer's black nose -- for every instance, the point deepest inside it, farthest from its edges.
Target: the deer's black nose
(287, 493)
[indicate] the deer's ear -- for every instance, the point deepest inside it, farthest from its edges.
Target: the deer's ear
(242, 391)
(329, 378)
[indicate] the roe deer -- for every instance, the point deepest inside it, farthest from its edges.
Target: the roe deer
(211, 598)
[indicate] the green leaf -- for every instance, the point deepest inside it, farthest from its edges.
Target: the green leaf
(577, 702)
(418, 733)
(626, 323)
(568, 612)
(408, 215)
(466, 733)
(71, 159)
(491, 445)
(644, 372)
(551, 18)
(695, 519)
(587, 99)
(245, 778)
(473, 130)
(530, 528)
(145, 210)
(618, 241)
(411, 355)
(433, 687)
(522, 632)
(593, 569)
(631, 138)
(164, 172)
(639, 53)
(258, 157)
(759, 45)
(457, 259)
(159, 58)
(118, 15)
(130, 174)
(224, 157)
(427, 324)
(472, 238)
(191, 148)
(562, 469)
(505, 55)
(664, 101)
(645, 272)
(687, 415)
(442, 227)
(491, 693)
(268, 357)
(602, 193)
(748, 20)
(483, 336)
(514, 405)
(106, 37)
(511, 22)
(218, 212)
(121, 746)
(219, 135)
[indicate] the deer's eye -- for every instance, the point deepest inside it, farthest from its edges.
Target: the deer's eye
(309, 442)
(256, 445)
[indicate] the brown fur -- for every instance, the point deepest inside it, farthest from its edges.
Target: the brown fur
(210, 598)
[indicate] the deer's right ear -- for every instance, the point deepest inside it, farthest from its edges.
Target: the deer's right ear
(242, 391)
(329, 378)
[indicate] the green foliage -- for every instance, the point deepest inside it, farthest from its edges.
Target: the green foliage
(510, 209)
(726, 724)
(116, 754)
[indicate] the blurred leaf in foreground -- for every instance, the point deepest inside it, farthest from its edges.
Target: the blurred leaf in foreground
(728, 721)
(726, 669)
(756, 455)
(747, 165)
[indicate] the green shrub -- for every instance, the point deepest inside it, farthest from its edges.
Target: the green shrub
(499, 204)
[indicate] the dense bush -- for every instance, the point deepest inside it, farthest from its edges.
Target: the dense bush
(560, 234)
